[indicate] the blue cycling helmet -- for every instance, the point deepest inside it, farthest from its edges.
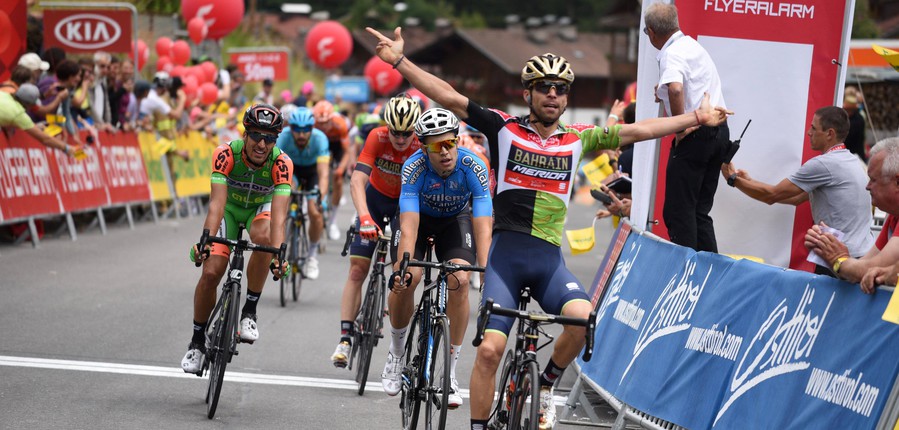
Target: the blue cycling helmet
(301, 117)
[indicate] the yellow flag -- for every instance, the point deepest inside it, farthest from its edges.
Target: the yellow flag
(598, 169)
(890, 55)
(581, 240)
(53, 121)
(892, 312)
(162, 146)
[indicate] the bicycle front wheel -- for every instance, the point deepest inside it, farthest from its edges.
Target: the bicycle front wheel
(412, 376)
(499, 412)
(526, 415)
(291, 256)
(302, 255)
(219, 353)
(368, 330)
(438, 375)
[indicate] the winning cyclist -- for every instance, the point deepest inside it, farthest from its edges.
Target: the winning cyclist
(307, 147)
(535, 158)
(445, 190)
(335, 126)
(375, 188)
(250, 185)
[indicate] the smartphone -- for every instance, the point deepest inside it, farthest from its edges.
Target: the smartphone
(622, 185)
(601, 197)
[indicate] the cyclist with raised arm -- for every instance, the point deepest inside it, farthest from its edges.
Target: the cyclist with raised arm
(250, 186)
(535, 158)
(445, 194)
(307, 147)
(336, 128)
(375, 188)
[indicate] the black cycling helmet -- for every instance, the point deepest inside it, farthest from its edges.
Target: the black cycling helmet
(264, 117)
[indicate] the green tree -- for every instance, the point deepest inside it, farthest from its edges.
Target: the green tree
(863, 27)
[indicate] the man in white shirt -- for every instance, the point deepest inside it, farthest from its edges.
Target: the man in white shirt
(686, 72)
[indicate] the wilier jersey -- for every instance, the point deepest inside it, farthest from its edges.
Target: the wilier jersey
(535, 176)
(248, 186)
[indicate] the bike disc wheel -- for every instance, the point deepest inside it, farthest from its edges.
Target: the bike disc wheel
(437, 400)
(221, 355)
(526, 415)
(411, 379)
(368, 332)
(499, 412)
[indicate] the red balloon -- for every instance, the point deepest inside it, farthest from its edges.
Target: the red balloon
(329, 44)
(208, 93)
(197, 29)
(190, 86)
(143, 54)
(180, 52)
(178, 71)
(381, 76)
(198, 74)
(210, 70)
(221, 16)
(164, 64)
(420, 97)
(164, 47)
(9, 36)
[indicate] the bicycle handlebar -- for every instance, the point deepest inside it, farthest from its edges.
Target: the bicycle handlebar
(446, 266)
(492, 308)
(240, 246)
(350, 235)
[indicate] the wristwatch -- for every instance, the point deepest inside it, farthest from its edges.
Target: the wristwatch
(838, 263)
(732, 180)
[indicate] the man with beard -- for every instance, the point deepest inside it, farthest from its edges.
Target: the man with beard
(535, 158)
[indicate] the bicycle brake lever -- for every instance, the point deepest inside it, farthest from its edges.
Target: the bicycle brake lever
(591, 330)
(201, 247)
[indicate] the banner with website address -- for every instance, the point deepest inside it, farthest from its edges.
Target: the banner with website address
(705, 341)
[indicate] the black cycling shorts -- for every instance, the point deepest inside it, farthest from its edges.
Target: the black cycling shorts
(453, 237)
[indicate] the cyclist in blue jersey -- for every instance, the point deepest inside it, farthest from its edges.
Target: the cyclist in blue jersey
(308, 148)
(445, 193)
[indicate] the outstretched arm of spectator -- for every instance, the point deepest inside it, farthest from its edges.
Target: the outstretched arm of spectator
(391, 52)
(784, 192)
(52, 142)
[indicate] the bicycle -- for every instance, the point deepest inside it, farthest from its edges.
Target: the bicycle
(426, 377)
(520, 376)
(222, 331)
(297, 240)
(369, 323)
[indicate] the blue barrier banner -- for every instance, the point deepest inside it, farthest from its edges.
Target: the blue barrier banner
(705, 341)
(350, 89)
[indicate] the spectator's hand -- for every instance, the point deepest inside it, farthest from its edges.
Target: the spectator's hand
(388, 50)
(608, 179)
(618, 110)
(711, 117)
(680, 136)
(826, 245)
(655, 93)
(885, 275)
(728, 169)
(602, 213)
(368, 228)
(77, 152)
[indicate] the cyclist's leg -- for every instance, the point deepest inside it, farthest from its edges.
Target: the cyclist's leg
(307, 177)
(257, 269)
(502, 284)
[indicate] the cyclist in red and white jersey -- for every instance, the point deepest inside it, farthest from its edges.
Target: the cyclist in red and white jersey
(535, 158)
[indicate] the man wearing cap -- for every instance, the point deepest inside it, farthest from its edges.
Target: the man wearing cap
(34, 63)
(266, 96)
(12, 114)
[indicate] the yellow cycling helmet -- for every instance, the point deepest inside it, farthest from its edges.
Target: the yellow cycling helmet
(401, 113)
(546, 66)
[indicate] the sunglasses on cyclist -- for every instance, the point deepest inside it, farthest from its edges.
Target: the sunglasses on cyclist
(447, 144)
(259, 137)
(401, 133)
(299, 129)
(562, 88)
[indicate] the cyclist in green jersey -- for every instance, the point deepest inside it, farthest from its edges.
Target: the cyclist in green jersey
(251, 186)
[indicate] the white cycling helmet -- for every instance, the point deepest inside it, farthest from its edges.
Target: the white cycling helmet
(436, 121)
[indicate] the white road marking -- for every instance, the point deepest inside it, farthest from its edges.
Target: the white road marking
(175, 372)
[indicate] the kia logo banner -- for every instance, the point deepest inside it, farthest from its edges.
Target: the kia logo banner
(87, 31)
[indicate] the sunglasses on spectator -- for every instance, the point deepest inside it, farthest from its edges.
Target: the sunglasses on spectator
(259, 137)
(299, 129)
(443, 144)
(562, 88)
(401, 133)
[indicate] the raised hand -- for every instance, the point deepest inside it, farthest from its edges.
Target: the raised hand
(388, 50)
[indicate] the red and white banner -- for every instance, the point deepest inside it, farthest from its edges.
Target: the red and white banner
(778, 62)
(261, 65)
(36, 180)
(88, 30)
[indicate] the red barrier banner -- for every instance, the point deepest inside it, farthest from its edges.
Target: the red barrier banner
(88, 30)
(27, 185)
(123, 166)
(261, 65)
(82, 185)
